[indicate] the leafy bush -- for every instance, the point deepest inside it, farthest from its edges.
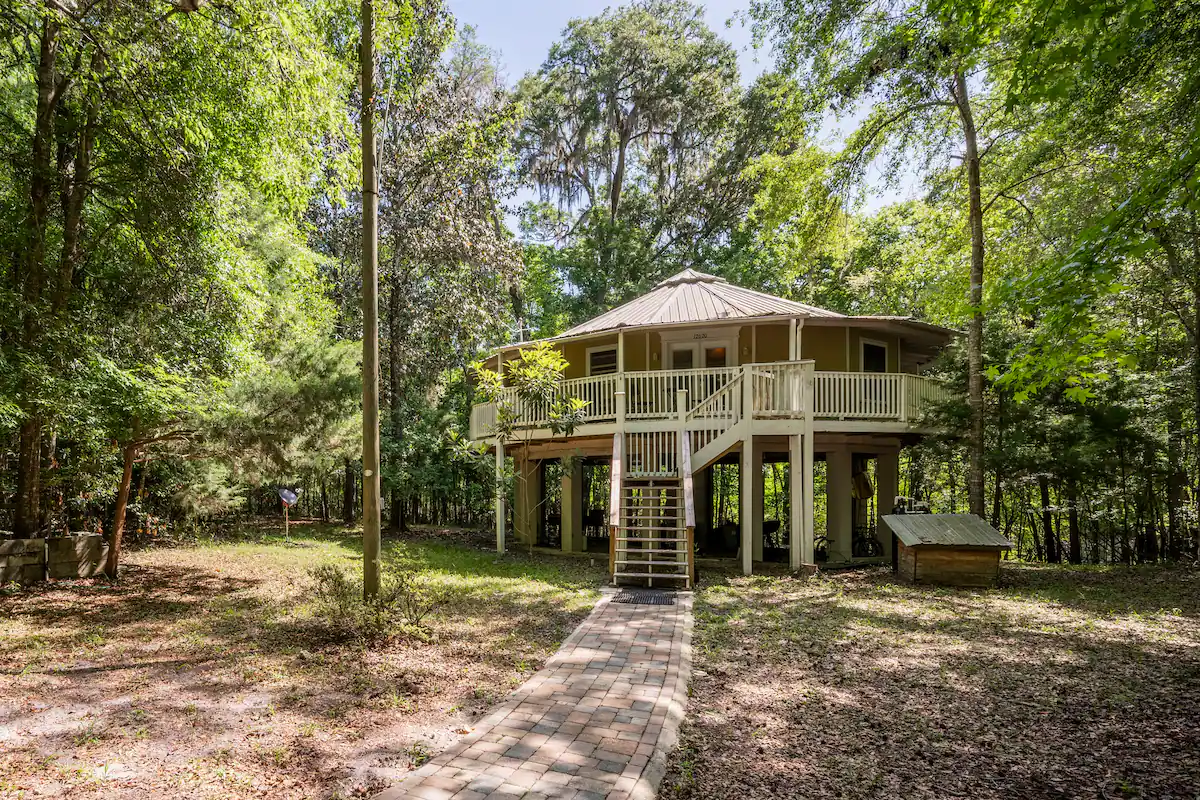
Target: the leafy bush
(405, 601)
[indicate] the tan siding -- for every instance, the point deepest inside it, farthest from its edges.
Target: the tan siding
(825, 346)
(772, 343)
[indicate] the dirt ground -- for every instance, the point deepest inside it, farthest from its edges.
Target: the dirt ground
(200, 674)
(1060, 684)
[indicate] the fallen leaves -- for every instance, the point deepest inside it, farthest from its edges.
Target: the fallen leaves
(1071, 684)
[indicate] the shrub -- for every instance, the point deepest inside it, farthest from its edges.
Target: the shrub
(405, 601)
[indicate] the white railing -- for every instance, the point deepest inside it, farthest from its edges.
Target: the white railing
(875, 395)
(716, 398)
(780, 390)
(651, 454)
(858, 395)
(721, 408)
(655, 395)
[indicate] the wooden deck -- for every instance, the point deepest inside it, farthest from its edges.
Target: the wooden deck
(715, 399)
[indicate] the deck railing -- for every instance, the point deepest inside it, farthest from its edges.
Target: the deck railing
(780, 390)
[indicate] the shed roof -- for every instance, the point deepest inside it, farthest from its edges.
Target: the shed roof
(945, 530)
(692, 296)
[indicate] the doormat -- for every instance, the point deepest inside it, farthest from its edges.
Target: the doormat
(644, 598)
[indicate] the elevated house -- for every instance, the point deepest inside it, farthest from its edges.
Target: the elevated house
(700, 375)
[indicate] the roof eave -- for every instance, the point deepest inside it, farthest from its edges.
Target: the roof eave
(659, 326)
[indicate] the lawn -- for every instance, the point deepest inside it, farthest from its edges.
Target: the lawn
(1060, 684)
(204, 674)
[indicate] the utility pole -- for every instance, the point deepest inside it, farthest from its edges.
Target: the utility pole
(370, 291)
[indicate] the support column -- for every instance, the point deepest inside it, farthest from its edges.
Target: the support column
(757, 501)
(528, 500)
(702, 491)
(887, 480)
(797, 469)
(573, 540)
(500, 492)
(838, 504)
(745, 505)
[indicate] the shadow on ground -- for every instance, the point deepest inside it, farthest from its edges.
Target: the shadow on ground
(202, 673)
(1060, 683)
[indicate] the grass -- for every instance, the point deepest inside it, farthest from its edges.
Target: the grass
(1064, 683)
(203, 673)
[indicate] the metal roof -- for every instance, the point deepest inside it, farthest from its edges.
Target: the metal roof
(945, 530)
(693, 296)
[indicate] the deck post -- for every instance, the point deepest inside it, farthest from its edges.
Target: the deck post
(839, 501)
(809, 462)
(887, 480)
(745, 507)
(792, 354)
(797, 465)
(757, 500)
(500, 492)
(573, 540)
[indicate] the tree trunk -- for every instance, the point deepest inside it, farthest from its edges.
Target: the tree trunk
(324, 500)
(1052, 554)
(975, 498)
(1075, 554)
(349, 487)
(114, 541)
(1176, 480)
(27, 511)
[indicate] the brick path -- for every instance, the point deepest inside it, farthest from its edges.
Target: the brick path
(596, 723)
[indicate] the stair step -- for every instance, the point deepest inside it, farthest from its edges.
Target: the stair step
(649, 551)
(655, 575)
(651, 527)
(638, 562)
(648, 539)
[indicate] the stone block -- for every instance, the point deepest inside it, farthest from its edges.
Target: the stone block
(22, 560)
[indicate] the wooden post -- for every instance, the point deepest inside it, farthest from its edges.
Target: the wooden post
(572, 506)
(745, 482)
(689, 504)
(887, 487)
(615, 475)
(809, 461)
(370, 284)
(839, 483)
(792, 355)
(499, 496)
(796, 467)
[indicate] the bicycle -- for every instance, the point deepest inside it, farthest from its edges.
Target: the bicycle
(865, 545)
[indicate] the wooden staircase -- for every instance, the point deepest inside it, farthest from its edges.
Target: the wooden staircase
(651, 512)
(652, 542)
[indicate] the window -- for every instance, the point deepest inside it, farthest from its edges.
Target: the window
(874, 356)
(602, 361)
(714, 357)
(683, 357)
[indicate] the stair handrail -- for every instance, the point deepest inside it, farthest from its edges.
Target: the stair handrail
(689, 503)
(731, 386)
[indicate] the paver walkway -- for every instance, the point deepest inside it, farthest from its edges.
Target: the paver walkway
(596, 723)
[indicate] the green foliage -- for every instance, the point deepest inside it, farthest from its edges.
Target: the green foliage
(638, 135)
(530, 381)
(404, 603)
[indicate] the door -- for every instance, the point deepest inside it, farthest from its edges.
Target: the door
(875, 392)
(683, 356)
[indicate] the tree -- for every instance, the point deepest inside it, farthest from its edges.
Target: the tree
(923, 63)
(134, 117)
(637, 133)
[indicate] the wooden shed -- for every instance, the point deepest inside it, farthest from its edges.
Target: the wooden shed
(946, 549)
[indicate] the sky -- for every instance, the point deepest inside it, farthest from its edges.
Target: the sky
(521, 31)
